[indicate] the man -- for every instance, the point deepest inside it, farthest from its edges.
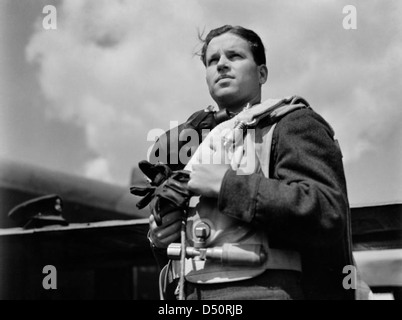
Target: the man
(277, 193)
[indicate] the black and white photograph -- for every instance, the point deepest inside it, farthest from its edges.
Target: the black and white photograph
(200, 150)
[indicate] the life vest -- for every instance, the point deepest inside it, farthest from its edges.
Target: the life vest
(247, 153)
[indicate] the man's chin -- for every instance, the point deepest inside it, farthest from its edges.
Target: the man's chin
(225, 97)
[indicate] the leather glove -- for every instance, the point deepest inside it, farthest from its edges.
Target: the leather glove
(157, 174)
(174, 190)
(171, 195)
(167, 190)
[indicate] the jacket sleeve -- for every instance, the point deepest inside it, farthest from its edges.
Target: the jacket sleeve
(304, 201)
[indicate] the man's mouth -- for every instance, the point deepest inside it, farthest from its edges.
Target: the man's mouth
(222, 77)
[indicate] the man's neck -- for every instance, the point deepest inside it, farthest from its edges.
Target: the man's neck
(235, 110)
(238, 107)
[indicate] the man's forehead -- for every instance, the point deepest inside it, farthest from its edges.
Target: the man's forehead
(227, 42)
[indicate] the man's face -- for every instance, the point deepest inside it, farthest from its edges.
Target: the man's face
(232, 75)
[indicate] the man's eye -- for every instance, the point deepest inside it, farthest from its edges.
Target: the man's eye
(212, 61)
(235, 56)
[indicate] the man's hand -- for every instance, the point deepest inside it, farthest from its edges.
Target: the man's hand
(168, 231)
(206, 179)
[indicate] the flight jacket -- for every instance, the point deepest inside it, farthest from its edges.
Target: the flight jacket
(304, 205)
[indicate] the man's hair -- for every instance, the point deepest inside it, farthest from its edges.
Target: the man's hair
(254, 41)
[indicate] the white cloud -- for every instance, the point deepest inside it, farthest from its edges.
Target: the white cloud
(118, 69)
(98, 169)
(351, 77)
(123, 68)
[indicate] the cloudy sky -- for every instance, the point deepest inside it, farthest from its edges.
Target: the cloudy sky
(82, 98)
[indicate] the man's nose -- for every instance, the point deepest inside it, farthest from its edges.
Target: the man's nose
(223, 63)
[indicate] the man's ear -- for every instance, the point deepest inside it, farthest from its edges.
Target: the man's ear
(263, 71)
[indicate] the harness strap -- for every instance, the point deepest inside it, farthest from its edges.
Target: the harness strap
(283, 260)
(277, 259)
